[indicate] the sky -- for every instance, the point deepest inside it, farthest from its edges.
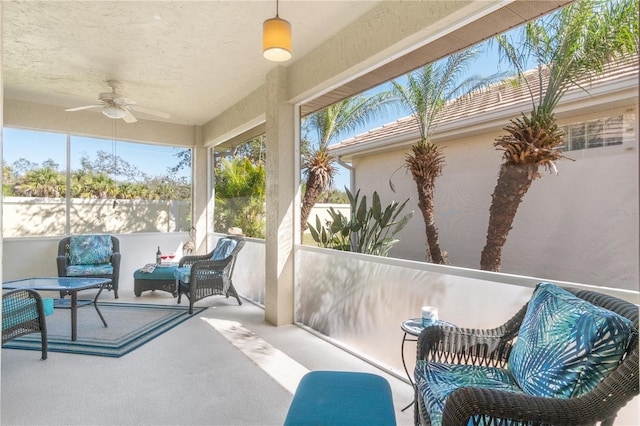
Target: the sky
(485, 65)
(38, 147)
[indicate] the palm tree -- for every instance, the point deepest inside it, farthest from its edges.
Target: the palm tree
(333, 121)
(43, 182)
(127, 191)
(570, 47)
(8, 180)
(240, 196)
(426, 93)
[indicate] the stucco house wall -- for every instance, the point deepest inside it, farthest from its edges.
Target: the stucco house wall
(580, 225)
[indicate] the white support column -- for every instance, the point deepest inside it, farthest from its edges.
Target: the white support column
(201, 201)
(280, 226)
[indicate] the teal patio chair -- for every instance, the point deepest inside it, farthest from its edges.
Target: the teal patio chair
(23, 312)
(568, 357)
(90, 256)
(210, 274)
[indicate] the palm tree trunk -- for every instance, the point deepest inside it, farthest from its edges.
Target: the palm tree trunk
(513, 183)
(425, 204)
(311, 194)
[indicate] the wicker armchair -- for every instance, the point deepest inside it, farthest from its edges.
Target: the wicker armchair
(484, 406)
(201, 276)
(64, 264)
(23, 313)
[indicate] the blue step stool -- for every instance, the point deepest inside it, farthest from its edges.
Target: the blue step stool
(341, 398)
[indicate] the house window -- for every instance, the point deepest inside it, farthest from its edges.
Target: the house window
(106, 186)
(594, 133)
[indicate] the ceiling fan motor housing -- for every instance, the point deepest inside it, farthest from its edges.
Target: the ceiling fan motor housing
(116, 106)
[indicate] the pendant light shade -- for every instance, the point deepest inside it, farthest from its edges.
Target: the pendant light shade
(276, 39)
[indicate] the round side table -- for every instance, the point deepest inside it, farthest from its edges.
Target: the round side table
(413, 327)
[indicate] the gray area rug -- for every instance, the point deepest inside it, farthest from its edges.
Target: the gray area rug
(130, 325)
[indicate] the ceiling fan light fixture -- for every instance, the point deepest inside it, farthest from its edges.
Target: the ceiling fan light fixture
(113, 112)
(276, 39)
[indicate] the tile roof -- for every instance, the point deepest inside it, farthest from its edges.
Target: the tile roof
(492, 99)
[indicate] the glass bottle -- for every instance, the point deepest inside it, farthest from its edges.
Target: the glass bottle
(158, 256)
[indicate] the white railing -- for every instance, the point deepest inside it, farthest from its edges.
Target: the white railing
(359, 301)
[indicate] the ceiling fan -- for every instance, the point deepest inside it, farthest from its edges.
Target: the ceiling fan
(117, 106)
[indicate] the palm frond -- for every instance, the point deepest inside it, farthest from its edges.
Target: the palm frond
(573, 44)
(347, 115)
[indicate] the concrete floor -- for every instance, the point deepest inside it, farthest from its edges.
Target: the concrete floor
(225, 367)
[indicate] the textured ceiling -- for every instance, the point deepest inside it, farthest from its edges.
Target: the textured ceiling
(192, 59)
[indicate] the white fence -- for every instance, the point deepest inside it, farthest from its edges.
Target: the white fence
(33, 217)
(321, 210)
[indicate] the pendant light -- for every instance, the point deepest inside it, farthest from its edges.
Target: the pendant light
(276, 39)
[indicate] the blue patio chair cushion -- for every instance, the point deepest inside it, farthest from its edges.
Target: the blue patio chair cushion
(84, 270)
(13, 315)
(436, 381)
(89, 249)
(162, 273)
(184, 274)
(47, 304)
(223, 249)
(566, 345)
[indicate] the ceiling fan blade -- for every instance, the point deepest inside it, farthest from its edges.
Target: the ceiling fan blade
(128, 117)
(115, 106)
(84, 107)
(151, 111)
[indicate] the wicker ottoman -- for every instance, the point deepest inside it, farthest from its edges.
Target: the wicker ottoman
(341, 398)
(162, 278)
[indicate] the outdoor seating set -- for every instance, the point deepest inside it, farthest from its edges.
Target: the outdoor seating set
(196, 277)
(84, 261)
(93, 261)
(568, 357)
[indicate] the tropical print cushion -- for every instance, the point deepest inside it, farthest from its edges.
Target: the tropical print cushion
(566, 345)
(88, 270)
(183, 274)
(224, 248)
(163, 273)
(89, 249)
(436, 381)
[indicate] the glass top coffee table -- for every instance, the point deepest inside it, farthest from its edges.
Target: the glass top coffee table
(71, 285)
